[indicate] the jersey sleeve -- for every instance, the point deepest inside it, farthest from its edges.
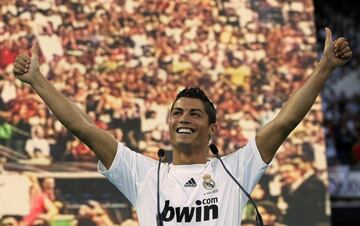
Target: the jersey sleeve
(127, 171)
(246, 165)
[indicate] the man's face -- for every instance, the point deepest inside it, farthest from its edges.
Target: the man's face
(49, 183)
(289, 173)
(189, 124)
(268, 218)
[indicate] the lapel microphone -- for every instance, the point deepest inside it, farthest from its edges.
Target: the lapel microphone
(215, 151)
(161, 154)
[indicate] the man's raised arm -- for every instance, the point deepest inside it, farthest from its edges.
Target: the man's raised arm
(71, 116)
(270, 137)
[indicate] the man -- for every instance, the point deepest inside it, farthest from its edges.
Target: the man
(270, 213)
(194, 191)
(9, 221)
(299, 178)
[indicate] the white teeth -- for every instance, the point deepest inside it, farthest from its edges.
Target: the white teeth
(184, 130)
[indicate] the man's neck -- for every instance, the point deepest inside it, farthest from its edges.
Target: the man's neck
(194, 157)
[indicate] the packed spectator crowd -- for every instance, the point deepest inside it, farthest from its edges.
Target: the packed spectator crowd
(341, 105)
(342, 109)
(123, 62)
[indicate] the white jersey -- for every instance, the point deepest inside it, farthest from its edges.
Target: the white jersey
(199, 194)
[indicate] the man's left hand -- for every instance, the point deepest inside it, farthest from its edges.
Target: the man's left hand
(337, 52)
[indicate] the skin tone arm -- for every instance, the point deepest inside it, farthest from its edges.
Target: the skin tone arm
(26, 69)
(51, 210)
(270, 137)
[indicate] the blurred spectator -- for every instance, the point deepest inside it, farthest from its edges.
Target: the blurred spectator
(80, 152)
(299, 179)
(38, 147)
(9, 221)
(259, 193)
(133, 221)
(6, 132)
(21, 133)
(42, 209)
(93, 213)
(8, 52)
(48, 186)
(40, 222)
(270, 213)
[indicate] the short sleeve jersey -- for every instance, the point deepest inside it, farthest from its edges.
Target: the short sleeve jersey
(199, 194)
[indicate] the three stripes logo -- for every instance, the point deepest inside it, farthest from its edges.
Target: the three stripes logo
(190, 183)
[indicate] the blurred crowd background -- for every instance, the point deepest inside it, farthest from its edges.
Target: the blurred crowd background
(123, 62)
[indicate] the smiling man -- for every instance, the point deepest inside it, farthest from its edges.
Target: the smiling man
(194, 190)
(192, 122)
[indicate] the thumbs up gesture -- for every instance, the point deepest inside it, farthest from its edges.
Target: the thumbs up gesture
(26, 67)
(337, 52)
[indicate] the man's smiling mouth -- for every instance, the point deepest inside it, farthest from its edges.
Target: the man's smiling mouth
(184, 130)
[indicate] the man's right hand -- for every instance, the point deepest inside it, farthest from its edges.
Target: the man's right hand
(26, 67)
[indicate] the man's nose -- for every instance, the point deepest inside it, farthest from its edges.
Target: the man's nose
(185, 118)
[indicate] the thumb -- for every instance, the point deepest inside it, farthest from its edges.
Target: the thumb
(328, 39)
(35, 51)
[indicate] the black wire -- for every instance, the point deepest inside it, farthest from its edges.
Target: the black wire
(259, 219)
(159, 221)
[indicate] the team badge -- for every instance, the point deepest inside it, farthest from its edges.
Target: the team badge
(208, 183)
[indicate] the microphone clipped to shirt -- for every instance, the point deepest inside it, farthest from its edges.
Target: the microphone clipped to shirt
(161, 154)
(215, 151)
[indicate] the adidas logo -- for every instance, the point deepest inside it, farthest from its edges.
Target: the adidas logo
(190, 183)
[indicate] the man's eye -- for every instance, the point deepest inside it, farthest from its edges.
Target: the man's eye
(176, 113)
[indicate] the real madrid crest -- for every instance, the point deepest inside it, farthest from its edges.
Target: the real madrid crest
(208, 183)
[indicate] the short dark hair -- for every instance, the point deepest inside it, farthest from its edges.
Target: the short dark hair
(247, 221)
(197, 93)
(270, 208)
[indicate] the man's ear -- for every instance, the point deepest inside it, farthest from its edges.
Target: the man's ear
(212, 130)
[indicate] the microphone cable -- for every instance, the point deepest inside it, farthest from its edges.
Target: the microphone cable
(161, 154)
(259, 219)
